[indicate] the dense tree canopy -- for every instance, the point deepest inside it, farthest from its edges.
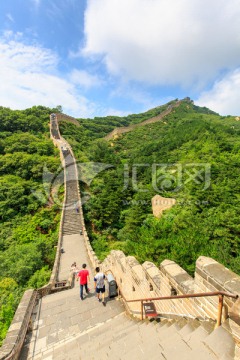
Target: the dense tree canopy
(28, 226)
(191, 155)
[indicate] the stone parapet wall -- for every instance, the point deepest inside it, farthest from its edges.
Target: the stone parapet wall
(16, 334)
(53, 279)
(64, 117)
(211, 276)
(148, 281)
(176, 281)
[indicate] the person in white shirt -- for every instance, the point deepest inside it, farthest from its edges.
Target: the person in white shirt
(99, 285)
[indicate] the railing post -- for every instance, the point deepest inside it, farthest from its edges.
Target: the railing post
(142, 310)
(220, 307)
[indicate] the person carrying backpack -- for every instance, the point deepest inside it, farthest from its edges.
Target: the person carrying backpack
(99, 285)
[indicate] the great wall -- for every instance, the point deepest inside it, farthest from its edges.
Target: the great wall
(197, 318)
(125, 129)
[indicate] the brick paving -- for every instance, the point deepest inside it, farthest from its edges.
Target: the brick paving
(62, 317)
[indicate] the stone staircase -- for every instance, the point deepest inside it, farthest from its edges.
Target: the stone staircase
(123, 338)
(72, 220)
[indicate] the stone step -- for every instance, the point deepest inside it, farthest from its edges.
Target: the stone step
(166, 331)
(189, 327)
(72, 225)
(130, 343)
(75, 230)
(176, 348)
(72, 218)
(193, 339)
(136, 353)
(74, 222)
(119, 338)
(71, 212)
(221, 343)
(85, 340)
(107, 333)
(144, 329)
(175, 345)
(69, 232)
(146, 340)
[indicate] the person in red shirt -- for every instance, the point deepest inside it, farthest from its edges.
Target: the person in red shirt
(83, 275)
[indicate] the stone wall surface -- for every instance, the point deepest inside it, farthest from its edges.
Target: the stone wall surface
(64, 117)
(148, 281)
(19, 325)
(212, 276)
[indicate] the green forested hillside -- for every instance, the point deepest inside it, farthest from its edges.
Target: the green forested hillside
(28, 227)
(99, 127)
(193, 156)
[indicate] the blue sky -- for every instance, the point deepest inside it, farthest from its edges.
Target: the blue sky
(116, 57)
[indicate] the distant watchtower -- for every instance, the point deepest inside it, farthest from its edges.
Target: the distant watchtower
(159, 204)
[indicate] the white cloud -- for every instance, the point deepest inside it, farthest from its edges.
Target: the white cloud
(224, 95)
(164, 41)
(29, 76)
(84, 79)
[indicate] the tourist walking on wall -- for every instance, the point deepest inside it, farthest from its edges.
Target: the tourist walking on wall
(99, 285)
(74, 269)
(83, 275)
(76, 207)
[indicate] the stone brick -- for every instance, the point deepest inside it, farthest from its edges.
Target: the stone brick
(201, 274)
(211, 287)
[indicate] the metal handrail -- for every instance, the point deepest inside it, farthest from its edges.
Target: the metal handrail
(223, 293)
(220, 295)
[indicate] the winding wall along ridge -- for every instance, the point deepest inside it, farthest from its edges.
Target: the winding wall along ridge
(135, 280)
(125, 129)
